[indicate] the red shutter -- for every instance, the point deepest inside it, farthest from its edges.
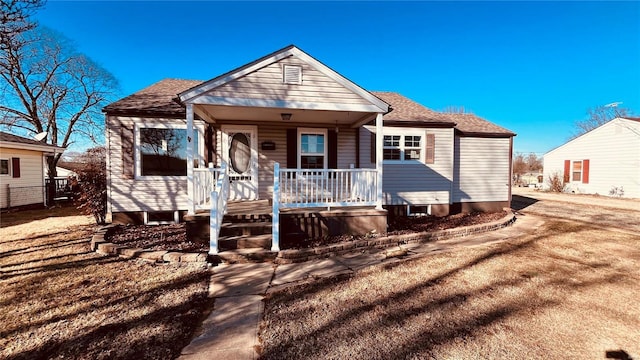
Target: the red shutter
(15, 167)
(585, 171)
(430, 153)
(567, 170)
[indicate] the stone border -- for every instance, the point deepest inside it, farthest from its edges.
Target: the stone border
(101, 246)
(302, 255)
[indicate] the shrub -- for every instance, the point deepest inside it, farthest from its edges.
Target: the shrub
(555, 182)
(92, 179)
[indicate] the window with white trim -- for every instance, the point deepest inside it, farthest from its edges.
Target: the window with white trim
(161, 149)
(4, 167)
(576, 171)
(400, 148)
(312, 152)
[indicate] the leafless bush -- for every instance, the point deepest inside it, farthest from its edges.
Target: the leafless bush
(555, 182)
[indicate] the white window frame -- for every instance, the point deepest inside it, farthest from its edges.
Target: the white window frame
(8, 167)
(581, 171)
(402, 134)
(313, 131)
(198, 130)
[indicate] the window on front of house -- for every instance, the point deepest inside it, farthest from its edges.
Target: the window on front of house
(313, 149)
(402, 147)
(577, 171)
(163, 151)
(4, 166)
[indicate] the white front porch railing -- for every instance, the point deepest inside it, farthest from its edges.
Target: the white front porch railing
(219, 196)
(204, 181)
(327, 187)
(297, 188)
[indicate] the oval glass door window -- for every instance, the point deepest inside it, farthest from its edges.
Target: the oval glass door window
(240, 153)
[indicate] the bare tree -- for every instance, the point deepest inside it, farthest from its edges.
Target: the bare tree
(534, 163)
(47, 86)
(519, 167)
(15, 19)
(600, 115)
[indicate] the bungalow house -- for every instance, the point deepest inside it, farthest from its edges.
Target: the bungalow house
(22, 174)
(604, 161)
(291, 132)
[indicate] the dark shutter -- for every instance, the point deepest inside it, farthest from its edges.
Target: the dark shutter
(15, 167)
(332, 143)
(585, 171)
(430, 149)
(127, 151)
(292, 148)
(357, 132)
(373, 148)
(567, 170)
(210, 144)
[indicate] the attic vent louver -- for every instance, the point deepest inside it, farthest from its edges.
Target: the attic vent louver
(292, 74)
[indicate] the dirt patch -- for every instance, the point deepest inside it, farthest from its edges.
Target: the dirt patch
(400, 225)
(171, 237)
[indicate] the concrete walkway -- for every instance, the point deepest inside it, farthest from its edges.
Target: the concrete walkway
(230, 331)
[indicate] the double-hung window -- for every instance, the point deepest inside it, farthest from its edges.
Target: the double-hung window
(577, 171)
(4, 167)
(313, 148)
(402, 148)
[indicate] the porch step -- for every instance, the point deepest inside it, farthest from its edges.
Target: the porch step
(244, 242)
(245, 228)
(243, 256)
(247, 218)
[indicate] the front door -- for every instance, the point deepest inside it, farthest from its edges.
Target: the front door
(240, 151)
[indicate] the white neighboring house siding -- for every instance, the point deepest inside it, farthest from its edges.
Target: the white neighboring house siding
(414, 183)
(29, 187)
(482, 169)
(150, 194)
(613, 151)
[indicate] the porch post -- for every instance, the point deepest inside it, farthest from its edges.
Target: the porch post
(275, 210)
(379, 158)
(191, 207)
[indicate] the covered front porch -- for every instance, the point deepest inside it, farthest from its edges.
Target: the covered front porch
(314, 192)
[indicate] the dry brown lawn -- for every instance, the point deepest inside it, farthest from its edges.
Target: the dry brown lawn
(61, 300)
(565, 290)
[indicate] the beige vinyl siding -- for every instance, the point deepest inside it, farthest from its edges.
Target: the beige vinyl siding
(411, 183)
(278, 134)
(481, 169)
(613, 151)
(29, 187)
(267, 84)
(138, 194)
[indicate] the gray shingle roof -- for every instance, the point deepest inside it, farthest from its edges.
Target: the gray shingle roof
(160, 99)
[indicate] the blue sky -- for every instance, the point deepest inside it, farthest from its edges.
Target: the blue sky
(532, 67)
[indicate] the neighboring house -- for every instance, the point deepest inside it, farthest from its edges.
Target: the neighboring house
(604, 161)
(22, 170)
(288, 124)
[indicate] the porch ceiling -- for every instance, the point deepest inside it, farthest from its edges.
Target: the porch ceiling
(220, 113)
